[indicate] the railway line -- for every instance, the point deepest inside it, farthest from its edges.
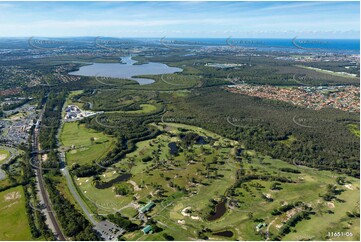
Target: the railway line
(44, 195)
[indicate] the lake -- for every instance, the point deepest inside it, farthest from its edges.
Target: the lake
(126, 70)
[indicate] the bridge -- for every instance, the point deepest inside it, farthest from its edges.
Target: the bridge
(41, 152)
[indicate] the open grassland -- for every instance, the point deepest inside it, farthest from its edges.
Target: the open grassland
(87, 145)
(13, 219)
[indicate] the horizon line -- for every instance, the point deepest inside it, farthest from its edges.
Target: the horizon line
(170, 37)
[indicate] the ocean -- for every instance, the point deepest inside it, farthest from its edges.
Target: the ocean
(292, 44)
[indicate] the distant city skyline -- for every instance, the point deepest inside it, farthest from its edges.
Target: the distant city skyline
(326, 20)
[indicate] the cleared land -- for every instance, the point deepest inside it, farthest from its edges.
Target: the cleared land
(13, 219)
(333, 73)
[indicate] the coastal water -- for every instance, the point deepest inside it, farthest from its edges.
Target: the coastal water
(294, 44)
(126, 70)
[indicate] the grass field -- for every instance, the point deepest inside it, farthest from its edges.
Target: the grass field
(289, 140)
(170, 82)
(355, 129)
(104, 200)
(85, 150)
(4, 155)
(107, 201)
(13, 219)
(145, 109)
(308, 186)
(70, 101)
(328, 72)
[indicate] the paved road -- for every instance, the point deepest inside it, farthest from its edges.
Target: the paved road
(13, 153)
(77, 197)
(105, 228)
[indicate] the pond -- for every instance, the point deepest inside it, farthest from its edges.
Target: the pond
(120, 178)
(226, 233)
(173, 148)
(220, 210)
(126, 69)
(201, 141)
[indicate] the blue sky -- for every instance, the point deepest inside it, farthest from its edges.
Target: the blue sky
(181, 19)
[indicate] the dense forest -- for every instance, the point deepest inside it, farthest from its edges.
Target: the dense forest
(267, 126)
(72, 221)
(51, 120)
(324, 141)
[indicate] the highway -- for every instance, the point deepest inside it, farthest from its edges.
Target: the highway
(13, 154)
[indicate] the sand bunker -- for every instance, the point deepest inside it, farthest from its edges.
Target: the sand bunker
(12, 196)
(2, 157)
(349, 186)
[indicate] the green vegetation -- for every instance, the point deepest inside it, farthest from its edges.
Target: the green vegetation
(51, 120)
(20, 175)
(289, 140)
(261, 124)
(217, 165)
(347, 75)
(85, 145)
(13, 220)
(73, 223)
(73, 99)
(4, 155)
(355, 129)
(119, 101)
(199, 175)
(184, 80)
(252, 160)
(145, 108)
